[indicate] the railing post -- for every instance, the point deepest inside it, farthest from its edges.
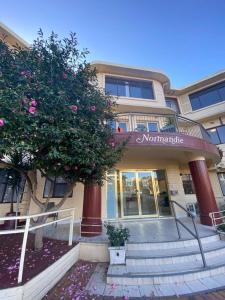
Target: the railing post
(175, 217)
(176, 121)
(23, 250)
(71, 227)
(199, 242)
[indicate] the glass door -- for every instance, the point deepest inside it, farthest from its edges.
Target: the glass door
(146, 191)
(129, 193)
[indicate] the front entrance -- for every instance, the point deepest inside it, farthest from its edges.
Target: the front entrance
(144, 193)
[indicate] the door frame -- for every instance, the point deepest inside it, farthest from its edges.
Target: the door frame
(140, 215)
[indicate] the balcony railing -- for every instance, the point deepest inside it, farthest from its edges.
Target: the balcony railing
(164, 123)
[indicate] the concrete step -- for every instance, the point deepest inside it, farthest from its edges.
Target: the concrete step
(174, 255)
(149, 291)
(172, 244)
(165, 273)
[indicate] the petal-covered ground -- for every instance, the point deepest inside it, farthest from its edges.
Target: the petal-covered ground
(72, 287)
(35, 261)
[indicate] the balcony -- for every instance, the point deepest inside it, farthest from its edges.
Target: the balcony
(165, 131)
(164, 123)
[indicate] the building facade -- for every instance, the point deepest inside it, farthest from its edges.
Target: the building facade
(176, 138)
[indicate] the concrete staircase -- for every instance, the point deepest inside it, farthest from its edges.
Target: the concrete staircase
(177, 262)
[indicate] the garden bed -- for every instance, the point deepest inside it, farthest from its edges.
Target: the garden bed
(72, 285)
(35, 261)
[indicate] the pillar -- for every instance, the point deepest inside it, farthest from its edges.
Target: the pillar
(203, 188)
(91, 224)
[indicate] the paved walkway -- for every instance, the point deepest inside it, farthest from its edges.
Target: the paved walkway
(141, 230)
(97, 286)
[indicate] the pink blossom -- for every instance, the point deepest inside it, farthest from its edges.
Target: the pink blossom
(113, 144)
(23, 73)
(93, 108)
(33, 102)
(75, 168)
(110, 103)
(73, 108)
(126, 298)
(2, 122)
(65, 76)
(32, 110)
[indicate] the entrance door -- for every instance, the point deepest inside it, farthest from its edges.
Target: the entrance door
(144, 193)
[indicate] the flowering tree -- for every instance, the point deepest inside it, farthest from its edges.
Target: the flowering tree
(53, 116)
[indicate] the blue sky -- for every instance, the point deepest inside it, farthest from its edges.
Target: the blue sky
(183, 38)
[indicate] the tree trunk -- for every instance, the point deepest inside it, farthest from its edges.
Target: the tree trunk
(38, 239)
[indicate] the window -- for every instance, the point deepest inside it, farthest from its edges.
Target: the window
(153, 127)
(221, 133)
(129, 88)
(172, 103)
(56, 186)
(7, 192)
(188, 184)
(122, 127)
(208, 96)
(141, 127)
(217, 134)
(221, 177)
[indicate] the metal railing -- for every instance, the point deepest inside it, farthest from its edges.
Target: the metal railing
(194, 233)
(27, 228)
(168, 123)
(217, 218)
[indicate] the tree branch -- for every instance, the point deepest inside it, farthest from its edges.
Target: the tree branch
(62, 201)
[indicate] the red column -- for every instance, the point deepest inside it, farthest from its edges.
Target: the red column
(204, 191)
(91, 221)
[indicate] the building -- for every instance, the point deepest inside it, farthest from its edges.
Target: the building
(171, 154)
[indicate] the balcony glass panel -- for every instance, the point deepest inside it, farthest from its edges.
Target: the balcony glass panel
(214, 136)
(221, 133)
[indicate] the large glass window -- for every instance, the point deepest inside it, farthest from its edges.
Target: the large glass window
(217, 134)
(173, 103)
(10, 190)
(208, 96)
(221, 177)
(188, 184)
(55, 187)
(129, 88)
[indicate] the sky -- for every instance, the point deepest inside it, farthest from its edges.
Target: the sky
(183, 38)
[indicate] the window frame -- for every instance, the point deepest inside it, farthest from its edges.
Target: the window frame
(128, 83)
(212, 88)
(53, 192)
(190, 181)
(216, 127)
(2, 196)
(223, 192)
(168, 98)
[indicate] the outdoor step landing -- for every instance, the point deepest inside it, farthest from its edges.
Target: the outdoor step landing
(172, 244)
(174, 255)
(167, 273)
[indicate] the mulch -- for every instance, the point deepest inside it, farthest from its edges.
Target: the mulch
(35, 261)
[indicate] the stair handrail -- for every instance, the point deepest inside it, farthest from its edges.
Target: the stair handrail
(195, 234)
